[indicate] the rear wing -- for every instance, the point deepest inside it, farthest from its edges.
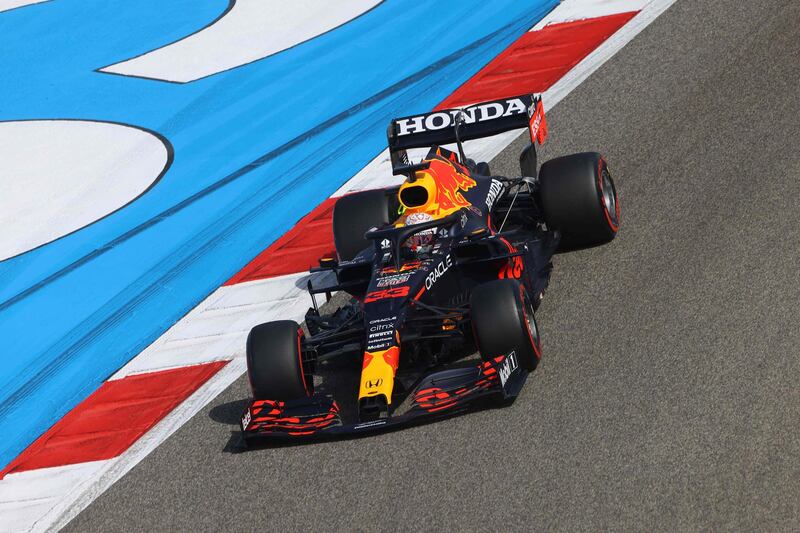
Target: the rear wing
(474, 122)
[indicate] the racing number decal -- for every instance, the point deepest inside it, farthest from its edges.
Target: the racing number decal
(513, 270)
(394, 292)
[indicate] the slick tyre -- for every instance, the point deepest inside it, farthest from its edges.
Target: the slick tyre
(579, 200)
(274, 362)
(503, 321)
(354, 215)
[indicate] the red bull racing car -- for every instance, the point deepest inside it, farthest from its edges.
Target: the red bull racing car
(453, 262)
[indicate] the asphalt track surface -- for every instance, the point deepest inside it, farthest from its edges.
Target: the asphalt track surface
(668, 395)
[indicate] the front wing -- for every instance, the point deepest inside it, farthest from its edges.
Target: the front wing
(441, 394)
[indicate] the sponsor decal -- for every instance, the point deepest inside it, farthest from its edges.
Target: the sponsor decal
(246, 419)
(394, 292)
(386, 244)
(471, 115)
(379, 345)
(379, 335)
(494, 190)
(508, 366)
(373, 384)
(381, 320)
(438, 270)
(463, 219)
(370, 424)
(537, 123)
(395, 279)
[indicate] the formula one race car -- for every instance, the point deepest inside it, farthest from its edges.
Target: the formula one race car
(452, 262)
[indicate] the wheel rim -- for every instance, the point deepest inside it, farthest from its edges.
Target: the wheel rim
(609, 197)
(530, 322)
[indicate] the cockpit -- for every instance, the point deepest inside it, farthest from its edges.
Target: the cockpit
(432, 193)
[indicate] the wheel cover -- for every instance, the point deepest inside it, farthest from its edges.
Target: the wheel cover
(609, 196)
(530, 323)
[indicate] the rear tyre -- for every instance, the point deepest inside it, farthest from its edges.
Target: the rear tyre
(503, 321)
(354, 215)
(275, 364)
(579, 200)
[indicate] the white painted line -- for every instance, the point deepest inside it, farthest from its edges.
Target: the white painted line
(251, 30)
(570, 10)
(217, 328)
(26, 498)
(57, 176)
(6, 5)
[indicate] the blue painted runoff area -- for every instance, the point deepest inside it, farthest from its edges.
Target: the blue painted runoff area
(255, 148)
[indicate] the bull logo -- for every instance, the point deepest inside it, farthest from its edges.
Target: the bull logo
(450, 184)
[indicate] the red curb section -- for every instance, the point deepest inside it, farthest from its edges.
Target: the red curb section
(537, 60)
(109, 421)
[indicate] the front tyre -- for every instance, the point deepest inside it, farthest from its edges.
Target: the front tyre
(275, 362)
(503, 322)
(578, 198)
